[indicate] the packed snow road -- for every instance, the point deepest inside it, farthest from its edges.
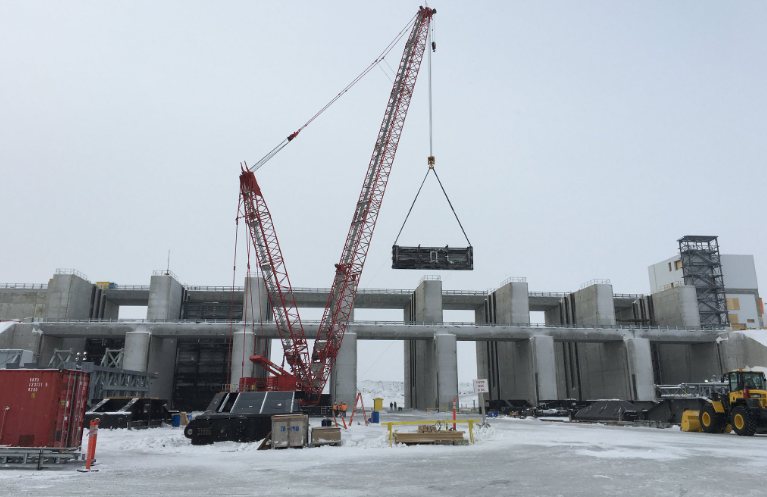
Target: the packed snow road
(513, 457)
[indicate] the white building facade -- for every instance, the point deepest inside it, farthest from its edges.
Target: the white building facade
(744, 306)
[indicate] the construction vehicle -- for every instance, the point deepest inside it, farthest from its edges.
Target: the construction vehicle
(740, 404)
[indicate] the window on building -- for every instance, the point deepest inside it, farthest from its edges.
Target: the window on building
(678, 265)
(733, 304)
(733, 318)
(669, 267)
(749, 320)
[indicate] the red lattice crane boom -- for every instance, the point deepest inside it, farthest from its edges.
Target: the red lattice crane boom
(312, 372)
(349, 268)
(275, 275)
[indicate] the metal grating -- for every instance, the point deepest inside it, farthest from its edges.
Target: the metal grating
(702, 268)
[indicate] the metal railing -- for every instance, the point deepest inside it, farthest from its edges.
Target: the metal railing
(595, 282)
(429, 277)
(195, 288)
(128, 287)
(548, 294)
(691, 390)
(25, 286)
(673, 284)
(74, 272)
(165, 272)
(514, 279)
(403, 323)
(632, 296)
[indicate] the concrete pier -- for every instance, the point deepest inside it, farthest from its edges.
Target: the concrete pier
(545, 368)
(256, 310)
(446, 362)
(677, 306)
(69, 297)
(165, 295)
(639, 361)
(243, 343)
(136, 354)
(420, 363)
(343, 378)
(594, 305)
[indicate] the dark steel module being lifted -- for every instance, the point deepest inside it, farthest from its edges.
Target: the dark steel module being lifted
(434, 258)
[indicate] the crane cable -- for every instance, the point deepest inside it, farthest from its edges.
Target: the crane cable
(431, 160)
(369, 68)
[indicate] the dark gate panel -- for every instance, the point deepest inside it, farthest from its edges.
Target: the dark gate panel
(201, 372)
(434, 258)
(212, 310)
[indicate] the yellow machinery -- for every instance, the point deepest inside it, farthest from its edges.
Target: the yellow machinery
(743, 408)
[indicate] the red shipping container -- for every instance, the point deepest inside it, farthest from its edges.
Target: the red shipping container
(42, 407)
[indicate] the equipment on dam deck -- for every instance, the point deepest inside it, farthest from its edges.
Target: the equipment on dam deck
(310, 371)
(240, 416)
(42, 407)
(743, 406)
(130, 412)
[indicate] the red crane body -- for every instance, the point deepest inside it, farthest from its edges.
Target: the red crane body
(311, 373)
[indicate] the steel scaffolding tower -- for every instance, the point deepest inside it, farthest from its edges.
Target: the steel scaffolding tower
(702, 268)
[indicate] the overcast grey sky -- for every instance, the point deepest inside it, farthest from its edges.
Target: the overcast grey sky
(577, 140)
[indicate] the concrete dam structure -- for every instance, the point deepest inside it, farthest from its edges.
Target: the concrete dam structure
(594, 343)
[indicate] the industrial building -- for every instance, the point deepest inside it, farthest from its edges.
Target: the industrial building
(594, 344)
(745, 308)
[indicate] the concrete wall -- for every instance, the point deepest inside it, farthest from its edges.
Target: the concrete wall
(22, 303)
(21, 336)
(603, 371)
(162, 360)
(676, 306)
(165, 295)
(68, 297)
(686, 363)
(738, 350)
(594, 305)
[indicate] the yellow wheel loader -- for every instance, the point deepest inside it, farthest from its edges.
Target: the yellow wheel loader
(741, 407)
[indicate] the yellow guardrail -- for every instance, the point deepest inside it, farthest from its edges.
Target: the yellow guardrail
(441, 421)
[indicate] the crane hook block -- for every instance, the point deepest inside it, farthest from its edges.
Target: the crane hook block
(434, 46)
(293, 135)
(431, 161)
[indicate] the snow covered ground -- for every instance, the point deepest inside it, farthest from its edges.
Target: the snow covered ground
(513, 457)
(394, 391)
